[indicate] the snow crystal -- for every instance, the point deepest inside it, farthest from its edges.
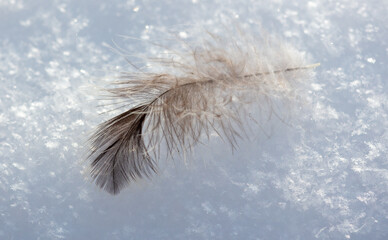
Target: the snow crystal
(321, 175)
(371, 60)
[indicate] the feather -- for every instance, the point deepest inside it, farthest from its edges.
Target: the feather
(197, 91)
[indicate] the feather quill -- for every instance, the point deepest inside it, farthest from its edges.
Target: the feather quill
(198, 90)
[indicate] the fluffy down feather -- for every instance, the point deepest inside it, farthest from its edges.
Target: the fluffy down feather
(198, 90)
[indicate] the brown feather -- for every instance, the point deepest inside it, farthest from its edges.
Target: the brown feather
(194, 95)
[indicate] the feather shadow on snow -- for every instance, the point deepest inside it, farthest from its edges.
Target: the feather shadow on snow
(197, 91)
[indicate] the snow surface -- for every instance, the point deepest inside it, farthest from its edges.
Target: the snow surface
(326, 177)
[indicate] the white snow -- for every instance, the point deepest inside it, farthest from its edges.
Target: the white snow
(323, 176)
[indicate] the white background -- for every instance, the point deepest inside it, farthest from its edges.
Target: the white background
(326, 177)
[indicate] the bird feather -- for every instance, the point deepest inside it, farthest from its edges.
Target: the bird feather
(197, 90)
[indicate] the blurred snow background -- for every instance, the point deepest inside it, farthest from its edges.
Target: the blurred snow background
(324, 178)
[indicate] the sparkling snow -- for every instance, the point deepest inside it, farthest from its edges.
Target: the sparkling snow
(323, 177)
